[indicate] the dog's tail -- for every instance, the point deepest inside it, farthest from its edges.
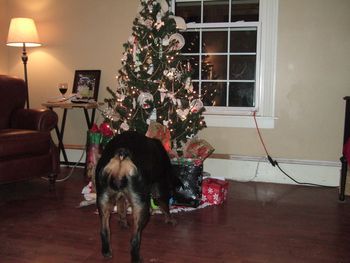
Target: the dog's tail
(119, 169)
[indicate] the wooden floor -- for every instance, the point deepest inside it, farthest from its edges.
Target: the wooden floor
(259, 223)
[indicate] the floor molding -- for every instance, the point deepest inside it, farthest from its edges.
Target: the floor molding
(245, 168)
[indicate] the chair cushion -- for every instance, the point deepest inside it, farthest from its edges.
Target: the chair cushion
(14, 142)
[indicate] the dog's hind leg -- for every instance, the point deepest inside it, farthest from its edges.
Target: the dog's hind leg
(122, 211)
(164, 207)
(161, 197)
(104, 209)
(141, 216)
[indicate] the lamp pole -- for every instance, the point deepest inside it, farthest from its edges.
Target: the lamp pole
(23, 33)
(24, 60)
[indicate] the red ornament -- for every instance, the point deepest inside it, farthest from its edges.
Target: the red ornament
(94, 128)
(106, 129)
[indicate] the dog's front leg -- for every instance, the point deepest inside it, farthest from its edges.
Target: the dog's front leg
(104, 210)
(141, 216)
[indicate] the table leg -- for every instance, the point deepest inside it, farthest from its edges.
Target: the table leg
(63, 124)
(89, 121)
(344, 171)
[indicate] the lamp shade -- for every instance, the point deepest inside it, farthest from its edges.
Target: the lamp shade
(23, 31)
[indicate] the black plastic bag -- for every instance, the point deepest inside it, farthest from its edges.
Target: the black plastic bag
(190, 173)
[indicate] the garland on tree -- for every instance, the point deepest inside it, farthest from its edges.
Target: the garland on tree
(154, 79)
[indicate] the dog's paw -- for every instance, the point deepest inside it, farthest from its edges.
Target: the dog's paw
(139, 260)
(171, 221)
(107, 254)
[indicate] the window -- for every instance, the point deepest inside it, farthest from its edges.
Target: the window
(231, 48)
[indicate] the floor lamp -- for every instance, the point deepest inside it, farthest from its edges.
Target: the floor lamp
(23, 33)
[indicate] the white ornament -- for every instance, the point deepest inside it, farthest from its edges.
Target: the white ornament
(131, 39)
(188, 85)
(165, 41)
(179, 41)
(144, 98)
(180, 22)
(182, 113)
(163, 94)
(163, 5)
(196, 105)
(149, 23)
(172, 97)
(170, 74)
(150, 69)
(159, 22)
(124, 126)
(178, 102)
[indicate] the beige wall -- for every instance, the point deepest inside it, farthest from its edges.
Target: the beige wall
(3, 35)
(313, 69)
(313, 65)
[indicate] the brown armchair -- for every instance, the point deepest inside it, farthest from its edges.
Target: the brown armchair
(26, 147)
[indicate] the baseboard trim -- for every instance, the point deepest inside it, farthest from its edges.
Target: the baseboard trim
(247, 168)
(258, 169)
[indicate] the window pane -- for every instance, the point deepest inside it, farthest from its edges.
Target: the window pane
(191, 42)
(214, 41)
(195, 85)
(242, 67)
(190, 11)
(215, 11)
(241, 94)
(243, 41)
(191, 63)
(244, 10)
(214, 67)
(214, 93)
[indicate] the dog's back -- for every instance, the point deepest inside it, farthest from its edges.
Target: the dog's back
(148, 155)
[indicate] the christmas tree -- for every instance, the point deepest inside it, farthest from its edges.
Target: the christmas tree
(155, 79)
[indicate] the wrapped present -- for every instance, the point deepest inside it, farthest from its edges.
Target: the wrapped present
(214, 191)
(197, 148)
(190, 174)
(160, 132)
(93, 152)
(97, 138)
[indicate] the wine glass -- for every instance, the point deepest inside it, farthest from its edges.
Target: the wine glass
(63, 87)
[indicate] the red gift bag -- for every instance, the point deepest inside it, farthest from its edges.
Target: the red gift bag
(214, 191)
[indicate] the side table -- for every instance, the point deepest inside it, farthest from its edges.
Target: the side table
(68, 106)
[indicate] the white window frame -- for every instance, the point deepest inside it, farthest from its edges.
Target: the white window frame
(265, 75)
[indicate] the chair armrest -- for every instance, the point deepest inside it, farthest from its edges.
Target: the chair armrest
(34, 119)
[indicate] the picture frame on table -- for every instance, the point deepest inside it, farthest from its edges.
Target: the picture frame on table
(86, 84)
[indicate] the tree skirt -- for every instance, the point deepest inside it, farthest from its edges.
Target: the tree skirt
(90, 199)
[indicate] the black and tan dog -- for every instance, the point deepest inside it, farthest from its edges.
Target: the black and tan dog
(133, 168)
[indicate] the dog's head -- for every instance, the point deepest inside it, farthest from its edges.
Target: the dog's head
(119, 168)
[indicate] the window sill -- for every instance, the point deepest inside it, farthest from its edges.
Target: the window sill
(225, 121)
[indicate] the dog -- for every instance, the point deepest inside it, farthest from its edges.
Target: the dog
(135, 168)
